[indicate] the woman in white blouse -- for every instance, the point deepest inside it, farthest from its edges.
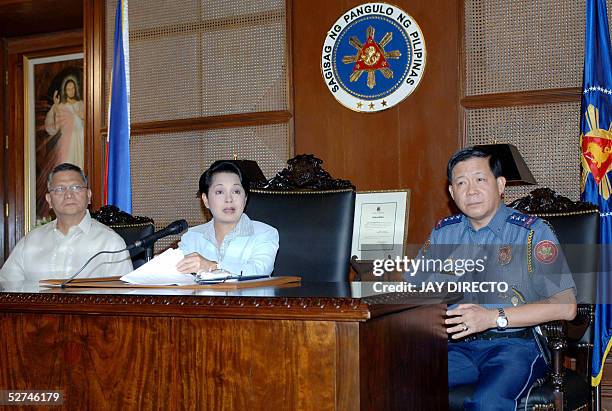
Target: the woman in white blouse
(230, 241)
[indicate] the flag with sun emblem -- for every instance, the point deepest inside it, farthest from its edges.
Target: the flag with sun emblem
(596, 162)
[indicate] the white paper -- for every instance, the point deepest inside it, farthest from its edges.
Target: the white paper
(161, 270)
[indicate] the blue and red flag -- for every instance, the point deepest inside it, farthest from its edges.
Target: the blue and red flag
(596, 161)
(118, 181)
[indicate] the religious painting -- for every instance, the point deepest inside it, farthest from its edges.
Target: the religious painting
(54, 125)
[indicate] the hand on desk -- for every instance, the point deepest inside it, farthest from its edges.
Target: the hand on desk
(194, 262)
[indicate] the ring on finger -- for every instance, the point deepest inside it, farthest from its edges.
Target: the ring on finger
(465, 327)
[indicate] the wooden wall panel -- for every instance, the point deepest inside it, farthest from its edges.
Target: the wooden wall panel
(93, 49)
(403, 147)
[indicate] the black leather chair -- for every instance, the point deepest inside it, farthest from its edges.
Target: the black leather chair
(315, 230)
(576, 225)
(130, 228)
(133, 232)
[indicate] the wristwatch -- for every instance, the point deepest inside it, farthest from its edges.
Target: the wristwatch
(502, 320)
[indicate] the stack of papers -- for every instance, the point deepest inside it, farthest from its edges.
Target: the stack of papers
(161, 270)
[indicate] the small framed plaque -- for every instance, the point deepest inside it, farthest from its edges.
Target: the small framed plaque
(380, 228)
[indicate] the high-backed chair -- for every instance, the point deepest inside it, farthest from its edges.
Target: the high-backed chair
(576, 225)
(315, 230)
(313, 214)
(130, 228)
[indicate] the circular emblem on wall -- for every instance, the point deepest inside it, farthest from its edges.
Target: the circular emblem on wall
(373, 57)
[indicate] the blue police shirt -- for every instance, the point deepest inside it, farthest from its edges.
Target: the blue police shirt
(514, 248)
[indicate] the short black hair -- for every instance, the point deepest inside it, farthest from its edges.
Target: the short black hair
(222, 166)
(66, 167)
(472, 152)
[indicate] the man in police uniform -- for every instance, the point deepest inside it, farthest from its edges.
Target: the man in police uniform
(491, 343)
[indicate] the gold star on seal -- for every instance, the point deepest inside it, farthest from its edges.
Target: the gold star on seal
(384, 103)
(359, 104)
(371, 106)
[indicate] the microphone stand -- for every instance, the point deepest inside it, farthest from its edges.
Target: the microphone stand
(63, 285)
(175, 227)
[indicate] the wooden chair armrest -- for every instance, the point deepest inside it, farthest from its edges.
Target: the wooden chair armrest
(555, 332)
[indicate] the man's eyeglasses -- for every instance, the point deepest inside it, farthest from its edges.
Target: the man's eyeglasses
(63, 189)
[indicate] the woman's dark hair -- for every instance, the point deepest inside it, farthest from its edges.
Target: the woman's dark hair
(471, 152)
(222, 166)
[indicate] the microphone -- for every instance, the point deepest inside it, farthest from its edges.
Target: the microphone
(176, 227)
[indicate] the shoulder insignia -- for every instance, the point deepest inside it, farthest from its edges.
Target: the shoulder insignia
(454, 219)
(522, 220)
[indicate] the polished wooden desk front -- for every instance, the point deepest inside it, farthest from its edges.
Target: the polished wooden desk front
(313, 347)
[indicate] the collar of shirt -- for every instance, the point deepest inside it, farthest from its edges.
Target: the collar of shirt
(84, 226)
(242, 229)
(496, 225)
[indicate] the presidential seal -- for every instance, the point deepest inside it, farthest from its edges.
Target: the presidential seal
(373, 57)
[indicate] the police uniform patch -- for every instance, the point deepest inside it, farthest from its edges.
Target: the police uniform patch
(504, 255)
(454, 219)
(373, 57)
(546, 251)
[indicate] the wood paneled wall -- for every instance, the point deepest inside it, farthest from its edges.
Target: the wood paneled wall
(403, 147)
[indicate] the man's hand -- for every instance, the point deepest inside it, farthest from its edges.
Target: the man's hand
(194, 262)
(468, 319)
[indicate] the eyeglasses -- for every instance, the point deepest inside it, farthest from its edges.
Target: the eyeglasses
(62, 189)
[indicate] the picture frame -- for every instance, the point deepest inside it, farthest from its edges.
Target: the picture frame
(54, 127)
(380, 225)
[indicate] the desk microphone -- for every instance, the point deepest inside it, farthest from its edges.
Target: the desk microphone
(176, 227)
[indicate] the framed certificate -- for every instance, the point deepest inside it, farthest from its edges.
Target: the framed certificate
(380, 228)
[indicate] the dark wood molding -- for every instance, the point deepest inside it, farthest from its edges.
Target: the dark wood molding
(41, 45)
(20, 18)
(313, 308)
(4, 129)
(461, 110)
(93, 28)
(212, 122)
(522, 98)
(289, 25)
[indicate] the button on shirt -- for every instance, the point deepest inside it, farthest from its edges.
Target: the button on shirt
(512, 247)
(250, 248)
(45, 252)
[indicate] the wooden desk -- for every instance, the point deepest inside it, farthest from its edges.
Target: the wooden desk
(314, 347)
